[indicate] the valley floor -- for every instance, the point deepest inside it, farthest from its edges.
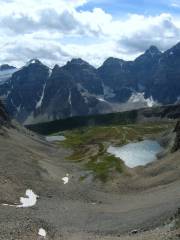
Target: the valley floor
(143, 200)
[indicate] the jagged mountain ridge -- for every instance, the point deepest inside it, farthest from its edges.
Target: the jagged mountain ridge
(36, 93)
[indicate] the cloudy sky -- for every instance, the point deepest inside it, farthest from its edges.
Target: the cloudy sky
(56, 31)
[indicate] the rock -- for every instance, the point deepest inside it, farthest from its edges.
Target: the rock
(178, 213)
(176, 146)
(133, 232)
(3, 114)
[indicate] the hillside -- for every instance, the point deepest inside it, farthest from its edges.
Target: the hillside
(84, 208)
(127, 200)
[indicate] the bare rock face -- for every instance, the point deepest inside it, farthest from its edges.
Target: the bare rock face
(176, 146)
(3, 114)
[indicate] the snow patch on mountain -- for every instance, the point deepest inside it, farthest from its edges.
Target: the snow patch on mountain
(39, 103)
(32, 61)
(150, 102)
(101, 99)
(65, 179)
(50, 72)
(69, 98)
(42, 232)
(140, 98)
(28, 201)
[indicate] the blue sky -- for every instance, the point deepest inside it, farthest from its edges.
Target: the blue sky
(122, 7)
(59, 30)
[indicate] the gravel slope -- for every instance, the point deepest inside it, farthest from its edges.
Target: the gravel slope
(81, 210)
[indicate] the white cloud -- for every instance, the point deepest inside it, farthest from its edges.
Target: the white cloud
(31, 6)
(56, 31)
(162, 31)
(176, 4)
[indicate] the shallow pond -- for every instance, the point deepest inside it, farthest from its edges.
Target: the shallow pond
(137, 154)
(55, 138)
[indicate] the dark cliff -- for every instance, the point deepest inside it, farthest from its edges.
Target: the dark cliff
(4, 118)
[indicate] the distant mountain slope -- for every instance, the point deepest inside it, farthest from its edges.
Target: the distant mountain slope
(36, 93)
(6, 72)
(163, 113)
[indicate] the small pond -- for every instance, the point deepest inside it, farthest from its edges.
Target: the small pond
(137, 154)
(55, 138)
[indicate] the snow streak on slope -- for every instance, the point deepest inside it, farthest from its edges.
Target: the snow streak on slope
(39, 103)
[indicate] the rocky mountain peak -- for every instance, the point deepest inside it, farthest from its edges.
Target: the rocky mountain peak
(5, 67)
(78, 61)
(34, 61)
(113, 61)
(174, 51)
(34, 65)
(152, 51)
(56, 68)
(151, 54)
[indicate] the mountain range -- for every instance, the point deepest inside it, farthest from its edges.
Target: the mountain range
(36, 93)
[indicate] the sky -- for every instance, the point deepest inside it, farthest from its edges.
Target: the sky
(59, 30)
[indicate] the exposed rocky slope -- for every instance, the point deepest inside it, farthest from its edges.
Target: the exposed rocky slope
(81, 209)
(36, 93)
(176, 146)
(72, 89)
(4, 118)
